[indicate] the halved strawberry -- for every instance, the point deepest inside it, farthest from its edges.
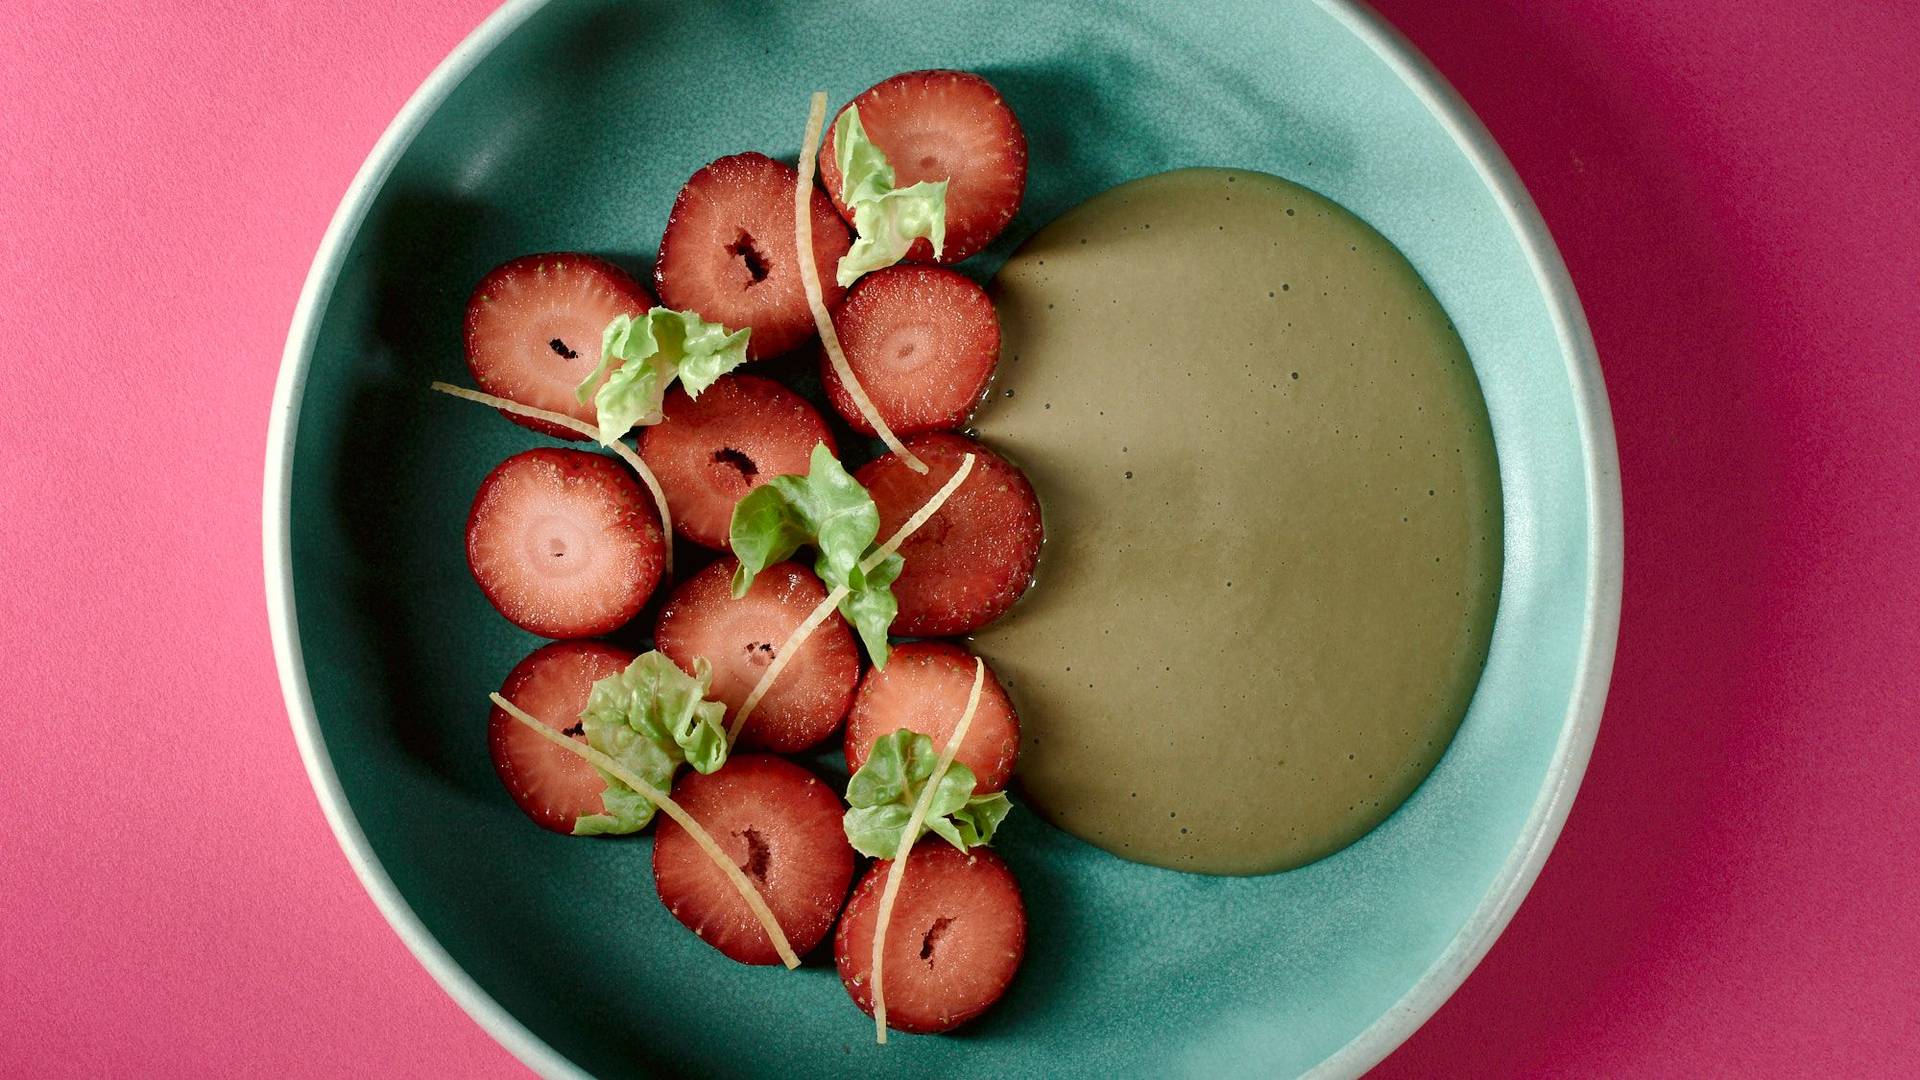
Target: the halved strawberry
(710, 451)
(564, 542)
(729, 253)
(924, 688)
(780, 824)
(922, 340)
(945, 125)
(956, 937)
(968, 564)
(533, 330)
(554, 787)
(741, 637)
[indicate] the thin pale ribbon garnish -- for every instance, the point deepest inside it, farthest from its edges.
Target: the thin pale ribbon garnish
(673, 810)
(826, 607)
(898, 869)
(810, 281)
(619, 446)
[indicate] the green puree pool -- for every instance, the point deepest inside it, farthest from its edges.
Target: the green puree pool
(1273, 520)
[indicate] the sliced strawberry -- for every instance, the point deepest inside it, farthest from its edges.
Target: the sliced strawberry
(956, 937)
(924, 688)
(564, 542)
(780, 824)
(945, 125)
(554, 787)
(922, 340)
(533, 330)
(710, 451)
(968, 564)
(741, 637)
(729, 252)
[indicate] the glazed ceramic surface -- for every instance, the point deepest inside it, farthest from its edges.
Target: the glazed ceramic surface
(570, 125)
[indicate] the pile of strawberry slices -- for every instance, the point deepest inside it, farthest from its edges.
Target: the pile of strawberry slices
(569, 544)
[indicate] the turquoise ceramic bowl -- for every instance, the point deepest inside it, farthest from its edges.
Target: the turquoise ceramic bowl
(570, 125)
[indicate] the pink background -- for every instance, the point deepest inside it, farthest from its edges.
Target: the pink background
(1735, 186)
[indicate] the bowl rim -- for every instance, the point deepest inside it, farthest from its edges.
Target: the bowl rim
(1599, 635)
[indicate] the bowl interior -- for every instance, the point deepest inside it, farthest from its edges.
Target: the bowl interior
(574, 131)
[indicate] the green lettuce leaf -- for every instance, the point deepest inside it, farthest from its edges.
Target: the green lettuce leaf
(828, 509)
(650, 718)
(870, 605)
(650, 352)
(881, 797)
(888, 220)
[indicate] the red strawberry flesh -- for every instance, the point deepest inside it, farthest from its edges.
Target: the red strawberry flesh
(533, 330)
(710, 451)
(553, 786)
(945, 125)
(976, 555)
(955, 939)
(729, 254)
(922, 341)
(781, 825)
(740, 638)
(924, 688)
(564, 543)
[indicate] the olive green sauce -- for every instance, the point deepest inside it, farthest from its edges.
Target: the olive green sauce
(1273, 522)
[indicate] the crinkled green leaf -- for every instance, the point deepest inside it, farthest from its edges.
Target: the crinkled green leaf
(646, 355)
(980, 818)
(826, 508)
(870, 605)
(875, 830)
(882, 793)
(766, 529)
(626, 811)
(887, 219)
(650, 718)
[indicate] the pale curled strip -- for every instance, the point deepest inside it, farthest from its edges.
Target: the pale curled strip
(825, 608)
(673, 810)
(620, 447)
(898, 871)
(810, 281)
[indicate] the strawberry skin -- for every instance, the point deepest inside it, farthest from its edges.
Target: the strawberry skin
(729, 255)
(740, 638)
(554, 787)
(564, 543)
(924, 688)
(533, 330)
(945, 125)
(976, 556)
(710, 451)
(956, 937)
(922, 341)
(781, 825)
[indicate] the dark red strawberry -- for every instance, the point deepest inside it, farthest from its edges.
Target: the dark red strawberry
(922, 340)
(533, 330)
(564, 542)
(924, 688)
(554, 787)
(741, 637)
(955, 939)
(710, 451)
(968, 564)
(945, 125)
(729, 252)
(780, 824)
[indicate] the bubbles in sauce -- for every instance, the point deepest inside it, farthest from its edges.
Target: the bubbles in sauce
(1273, 520)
